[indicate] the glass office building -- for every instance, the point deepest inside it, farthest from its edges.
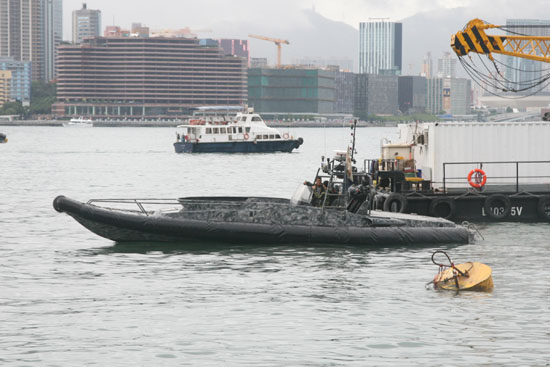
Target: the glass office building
(380, 47)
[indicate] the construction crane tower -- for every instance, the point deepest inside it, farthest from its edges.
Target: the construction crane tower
(278, 43)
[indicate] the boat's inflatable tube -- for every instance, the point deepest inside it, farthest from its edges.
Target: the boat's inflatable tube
(124, 226)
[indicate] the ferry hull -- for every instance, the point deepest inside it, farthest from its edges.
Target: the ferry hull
(238, 147)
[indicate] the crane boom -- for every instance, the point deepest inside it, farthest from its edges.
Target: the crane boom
(474, 39)
(277, 42)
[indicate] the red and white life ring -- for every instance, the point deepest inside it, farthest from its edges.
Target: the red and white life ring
(479, 178)
(245, 136)
(285, 135)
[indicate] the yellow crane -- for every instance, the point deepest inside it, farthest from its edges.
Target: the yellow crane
(277, 42)
(474, 39)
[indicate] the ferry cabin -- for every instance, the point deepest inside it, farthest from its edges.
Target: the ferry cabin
(246, 127)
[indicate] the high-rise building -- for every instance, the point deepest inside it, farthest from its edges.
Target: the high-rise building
(380, 47)
(146, 76)
(461, 96)
(449, 95)
(5, 82)
(446, 66)
(140, 30)
(20, 82)
(375, 95)
(427, 66)
(520, 71)
(412, 94)
(236, 47)
(22, 33)
(344, 83)
(115, 31)
(53, 35)
(86, 23)
(434, 95)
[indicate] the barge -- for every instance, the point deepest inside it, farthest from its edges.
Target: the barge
(465, 171)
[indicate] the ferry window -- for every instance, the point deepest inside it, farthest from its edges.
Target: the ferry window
(216, 130)
(209, 130)
(240, 129)
(256, 118)
(222, 130)
(247, 129)
(277, 136)
(271, 136)
(265, 136)
(234, 130)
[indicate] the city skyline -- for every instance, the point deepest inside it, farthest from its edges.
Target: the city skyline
(310, 25)
(179, 15)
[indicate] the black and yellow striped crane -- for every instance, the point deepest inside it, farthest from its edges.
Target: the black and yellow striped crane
(474, 39)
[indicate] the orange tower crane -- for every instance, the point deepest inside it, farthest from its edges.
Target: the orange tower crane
(277, 42)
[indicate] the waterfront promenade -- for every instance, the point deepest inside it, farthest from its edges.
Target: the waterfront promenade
(174, 123)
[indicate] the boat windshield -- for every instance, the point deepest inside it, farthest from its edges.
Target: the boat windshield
(302, 195)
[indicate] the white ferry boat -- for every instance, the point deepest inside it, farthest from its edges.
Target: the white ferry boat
(79, 122)
(246, 133)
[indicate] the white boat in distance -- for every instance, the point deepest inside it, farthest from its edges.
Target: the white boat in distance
(79, 122)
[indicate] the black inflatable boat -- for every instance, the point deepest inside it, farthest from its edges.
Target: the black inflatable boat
(336, 211)
(254, 220)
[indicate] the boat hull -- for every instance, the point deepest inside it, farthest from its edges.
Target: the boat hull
(78, 124)
(487, 207)
(123, 226)
(237, 146)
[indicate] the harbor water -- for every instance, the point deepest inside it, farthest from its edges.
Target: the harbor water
(71, 298)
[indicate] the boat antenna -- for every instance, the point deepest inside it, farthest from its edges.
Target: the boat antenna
(325, 134)
(353, 128)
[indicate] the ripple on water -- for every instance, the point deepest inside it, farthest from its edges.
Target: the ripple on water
(71, 298)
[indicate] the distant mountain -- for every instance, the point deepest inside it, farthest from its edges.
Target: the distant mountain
(311, 35)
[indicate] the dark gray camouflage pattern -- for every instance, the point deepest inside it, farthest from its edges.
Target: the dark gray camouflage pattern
(282, 211)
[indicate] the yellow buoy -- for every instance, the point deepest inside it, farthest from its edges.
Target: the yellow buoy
(470, 276)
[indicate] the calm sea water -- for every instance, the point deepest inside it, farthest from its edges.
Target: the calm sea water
(70, 298)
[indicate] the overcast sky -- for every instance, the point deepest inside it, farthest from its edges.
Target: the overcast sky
(205, 14)
(237, 18)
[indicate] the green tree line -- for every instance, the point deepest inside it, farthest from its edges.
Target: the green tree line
(42, 97)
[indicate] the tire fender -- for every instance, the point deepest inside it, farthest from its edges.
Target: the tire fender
(490, 203)
(543, 207)
(438, 205)
(395, 198)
